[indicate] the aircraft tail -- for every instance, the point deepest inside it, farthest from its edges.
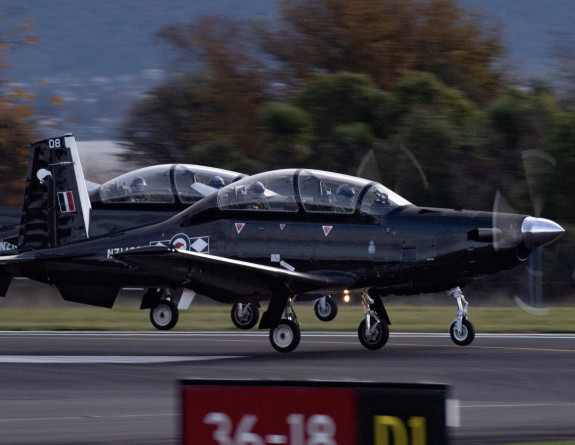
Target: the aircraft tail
(56, 208)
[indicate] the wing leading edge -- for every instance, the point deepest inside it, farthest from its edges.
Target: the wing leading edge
(224, 279)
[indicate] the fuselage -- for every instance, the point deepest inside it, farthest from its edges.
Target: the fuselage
(403, 250)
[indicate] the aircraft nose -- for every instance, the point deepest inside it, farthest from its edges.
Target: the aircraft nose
(538, 232)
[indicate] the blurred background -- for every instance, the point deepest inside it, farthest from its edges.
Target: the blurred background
(460, 104)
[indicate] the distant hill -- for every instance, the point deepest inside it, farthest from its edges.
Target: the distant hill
(530, 29)
(101, 56)
(110, 37)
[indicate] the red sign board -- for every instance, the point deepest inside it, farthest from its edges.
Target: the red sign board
(247, 415)
(312, 413)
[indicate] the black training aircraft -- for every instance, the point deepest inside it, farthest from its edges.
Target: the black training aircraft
(138, 198)
(273, 236)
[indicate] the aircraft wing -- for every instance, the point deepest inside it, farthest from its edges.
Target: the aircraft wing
(224, 279)
(17, 258)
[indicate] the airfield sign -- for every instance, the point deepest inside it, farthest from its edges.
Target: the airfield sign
(312, 413)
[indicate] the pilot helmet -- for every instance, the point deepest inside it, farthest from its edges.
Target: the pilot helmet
(138, 184)
(216, 182)
(256, 189)
(345, 193)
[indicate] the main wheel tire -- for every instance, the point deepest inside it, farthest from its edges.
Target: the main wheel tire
(285, 337)
(164, 315)
(466, 335)
(325, 312)
(378, 337)
(248, 319)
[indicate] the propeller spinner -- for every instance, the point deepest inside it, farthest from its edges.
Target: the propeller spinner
(538, 232)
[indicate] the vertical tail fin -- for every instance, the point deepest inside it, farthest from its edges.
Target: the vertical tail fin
(56, 208)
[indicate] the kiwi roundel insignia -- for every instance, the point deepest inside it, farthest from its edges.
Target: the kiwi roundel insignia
(180, 241)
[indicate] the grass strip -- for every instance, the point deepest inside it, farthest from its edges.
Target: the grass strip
(217, 317)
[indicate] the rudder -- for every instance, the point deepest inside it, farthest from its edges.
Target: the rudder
(56, 209)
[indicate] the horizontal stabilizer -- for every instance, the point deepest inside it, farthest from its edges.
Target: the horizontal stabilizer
(203, 273)
(5, 280)
(92, 295)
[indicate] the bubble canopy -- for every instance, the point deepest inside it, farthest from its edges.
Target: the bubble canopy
(164, 184)
(314, 191)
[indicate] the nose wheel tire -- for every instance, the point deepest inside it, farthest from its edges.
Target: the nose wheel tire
(465, 336)
(245, 316)
(326, 311)
(286, 336)
(164, 315)
(375, 339)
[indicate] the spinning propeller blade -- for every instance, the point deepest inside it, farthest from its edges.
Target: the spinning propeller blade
(536, 231)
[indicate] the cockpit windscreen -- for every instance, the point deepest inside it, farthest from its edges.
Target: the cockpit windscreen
(164, 184)
(312, 191)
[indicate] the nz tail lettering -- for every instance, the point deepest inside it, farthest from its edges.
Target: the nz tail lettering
(56, 208)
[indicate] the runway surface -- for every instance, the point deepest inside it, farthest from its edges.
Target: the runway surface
(96, 388)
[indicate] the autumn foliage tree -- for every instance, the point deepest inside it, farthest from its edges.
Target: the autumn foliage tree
(385, 39)
(223, 50)
(180, 122)
(212, 101)
(16, 130)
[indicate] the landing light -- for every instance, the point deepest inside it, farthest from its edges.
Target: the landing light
(346, 297)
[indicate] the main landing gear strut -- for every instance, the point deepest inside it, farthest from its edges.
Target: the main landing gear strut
(245, 315)
(286, 335)
(163, 305)
(461, 330)
(373, 331)
(325, 308)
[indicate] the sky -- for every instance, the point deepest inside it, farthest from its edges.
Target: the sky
(530, 29)
(100, 161)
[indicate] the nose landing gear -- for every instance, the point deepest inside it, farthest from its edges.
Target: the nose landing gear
(461, 330)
